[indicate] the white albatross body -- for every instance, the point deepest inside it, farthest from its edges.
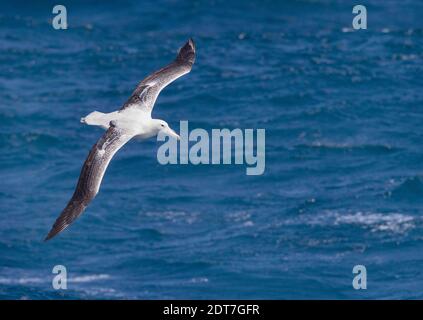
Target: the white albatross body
(132, 120)
(136, 122)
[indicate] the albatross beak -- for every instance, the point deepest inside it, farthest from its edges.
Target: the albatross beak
(172, 133)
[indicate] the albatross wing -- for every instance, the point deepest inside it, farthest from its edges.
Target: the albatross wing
(90, 178)
(147, 91)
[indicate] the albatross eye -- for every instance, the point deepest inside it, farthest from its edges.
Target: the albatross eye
(162, 125)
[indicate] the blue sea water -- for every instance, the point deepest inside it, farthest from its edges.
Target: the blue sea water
(343, 184)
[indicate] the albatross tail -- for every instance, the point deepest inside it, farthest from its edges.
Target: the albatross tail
(97, 118)
(93, 119)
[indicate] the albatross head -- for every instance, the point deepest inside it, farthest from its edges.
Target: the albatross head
(162, 126)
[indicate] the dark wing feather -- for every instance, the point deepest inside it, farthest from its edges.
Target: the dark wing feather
(90, 178)
(147, 91)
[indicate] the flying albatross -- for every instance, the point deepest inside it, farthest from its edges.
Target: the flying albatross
(132, 120)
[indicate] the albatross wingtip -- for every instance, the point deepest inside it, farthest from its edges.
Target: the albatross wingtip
(187, 53)
(52, 233)
(48, 237)
(55, 230)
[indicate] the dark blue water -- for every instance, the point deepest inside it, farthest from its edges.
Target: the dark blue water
(343, 183)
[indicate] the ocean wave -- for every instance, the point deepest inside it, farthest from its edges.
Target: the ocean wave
(199, 280)
(392, 222)
(333, 146)
(240, 217)
(89, 278)
(173, 216)
(39, 280)
(23, 281)
(409, 189)
(375, 221)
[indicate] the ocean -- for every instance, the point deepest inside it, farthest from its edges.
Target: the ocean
(343, 181)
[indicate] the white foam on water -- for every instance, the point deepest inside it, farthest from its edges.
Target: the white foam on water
(199, 280)
(28, 280)
(393, 222)
(89, 278)
(375, 221)
(37, 280)
(174, 216)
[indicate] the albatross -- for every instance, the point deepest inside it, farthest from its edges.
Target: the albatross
(132, 120)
